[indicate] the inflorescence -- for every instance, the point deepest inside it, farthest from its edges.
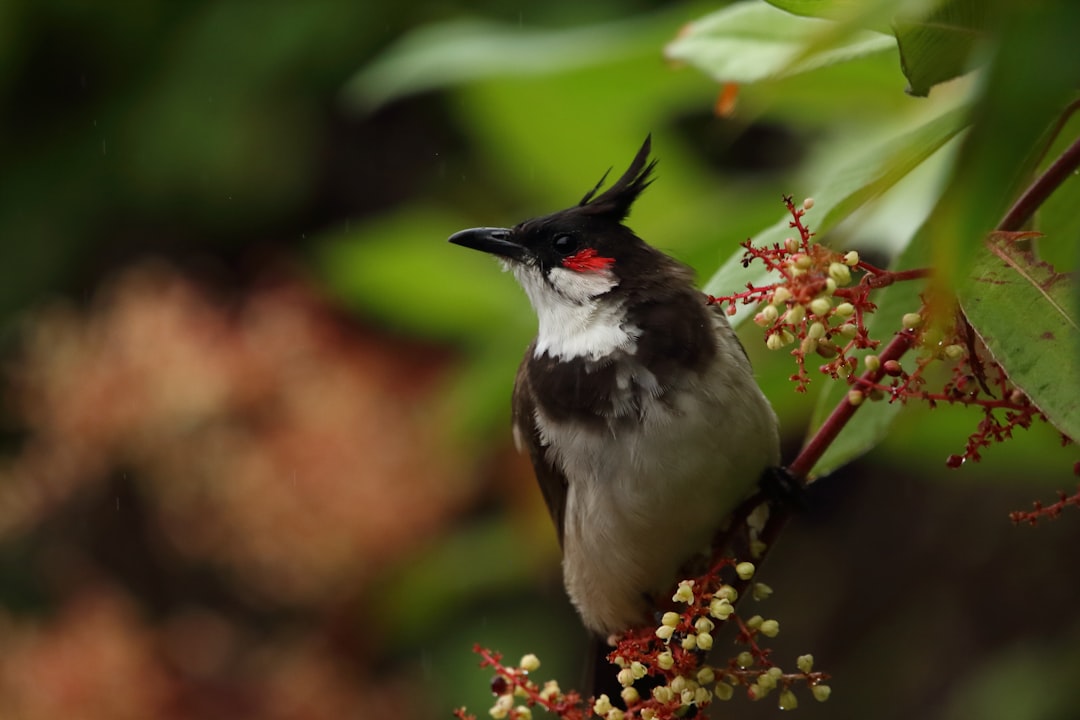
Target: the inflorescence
(820, 305)
(674, 655)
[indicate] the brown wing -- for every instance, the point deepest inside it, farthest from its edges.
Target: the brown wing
(552, 482)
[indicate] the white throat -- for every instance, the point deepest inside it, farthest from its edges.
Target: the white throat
(575, 322)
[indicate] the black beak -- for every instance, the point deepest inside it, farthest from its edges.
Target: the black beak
(490, 240)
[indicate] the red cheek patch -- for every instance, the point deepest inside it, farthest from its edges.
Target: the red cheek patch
(587, 261)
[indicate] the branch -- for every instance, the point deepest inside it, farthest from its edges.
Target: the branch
(1026, 205)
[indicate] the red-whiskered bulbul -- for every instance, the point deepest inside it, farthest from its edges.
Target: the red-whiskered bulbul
(636, 401)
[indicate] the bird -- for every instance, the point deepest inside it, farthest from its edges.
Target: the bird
(635, 402)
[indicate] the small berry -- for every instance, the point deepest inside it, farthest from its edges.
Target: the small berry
(893, 368)
(816, 331)
(805, 663)
(954, 461)
(745, 570)
(787, 701)
(771, 313)
(663, 694)
(820, 306)
(770, 628)
(826, 349)
(690, 642)
(550, 690)
(665, 660)
(761, 591)
(723, 691)
(638, 669)
(615, 714)
(872, 362)
(706, 676)
(704, 640)
(704, 624)
(755, 622)
(849, 330)
(851, 258)
(523, 712)
(502, 706)
(840, 273)
(781, 295)
(678, 684)
(685, 592)
(529, 663)
(499, 685)
(845, 309)
(721, 608)
(791, 244)
(910, 321)
(726, 592)
(630, 695)
(821, 693)
(744, 659)
(830, 286)
(855, 397)
(625, 677)
(766, 682)
(671, 619)
(758, 548)
(602, 706)
(954, 352)
(664, 632)
(802, 261)
(808, 203)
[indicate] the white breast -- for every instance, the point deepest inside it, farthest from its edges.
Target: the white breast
(643, 498)
(574, 319)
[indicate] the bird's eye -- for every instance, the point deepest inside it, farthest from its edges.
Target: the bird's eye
(565, 244)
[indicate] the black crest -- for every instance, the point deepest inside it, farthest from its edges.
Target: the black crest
(615, 202)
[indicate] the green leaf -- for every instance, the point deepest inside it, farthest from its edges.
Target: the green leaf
(865, 174)
(869, 14)
(1023, 311)
(468, 50)
(750, 42)
(937, 46)
(1032, 77)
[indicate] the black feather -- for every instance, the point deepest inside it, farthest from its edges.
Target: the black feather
(615, 202)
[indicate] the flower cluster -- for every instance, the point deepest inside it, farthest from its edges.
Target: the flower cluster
(674, 655)
(816, 304)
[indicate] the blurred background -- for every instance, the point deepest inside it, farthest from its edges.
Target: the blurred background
(256, 450)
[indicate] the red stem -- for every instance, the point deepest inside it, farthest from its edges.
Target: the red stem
(1026, 205)
(812, 452)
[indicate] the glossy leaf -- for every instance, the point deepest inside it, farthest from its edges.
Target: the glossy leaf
(937, 46)
(1024, 311)
(751, 41)
(468, 50)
